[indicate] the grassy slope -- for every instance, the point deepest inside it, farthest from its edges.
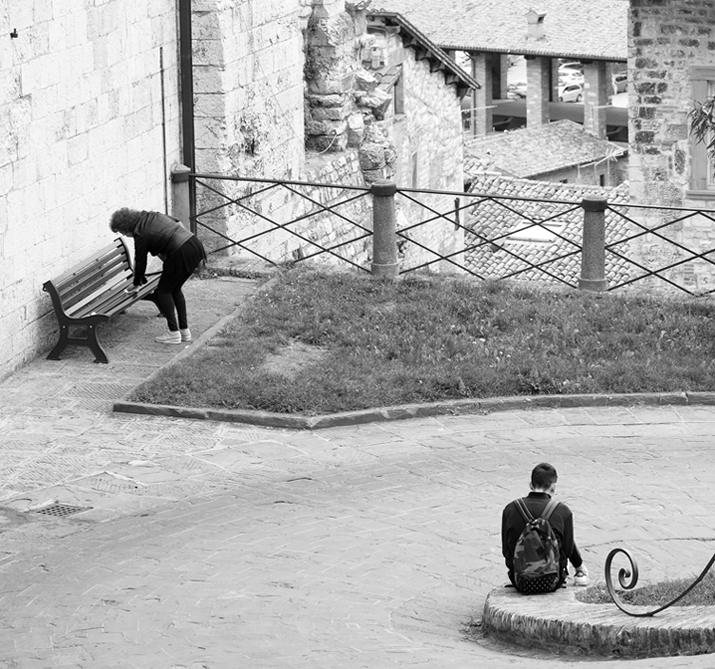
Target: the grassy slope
(421, 340)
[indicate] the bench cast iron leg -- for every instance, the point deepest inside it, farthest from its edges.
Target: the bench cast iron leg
(54, 354)
(93, 343)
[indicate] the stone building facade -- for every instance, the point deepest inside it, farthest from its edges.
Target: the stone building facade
(424, 124)
(89, 122)
(671, 64)
(335, 89)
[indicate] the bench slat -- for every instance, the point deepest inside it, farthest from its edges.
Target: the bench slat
(78, 287)
(83, 299)
(116, 248)
(95, 302)
(111, 301)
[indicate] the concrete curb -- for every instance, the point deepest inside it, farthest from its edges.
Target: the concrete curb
(446, 408)
(557, 622)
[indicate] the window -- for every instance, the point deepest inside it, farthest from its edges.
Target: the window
(398, 95)
(702, 179)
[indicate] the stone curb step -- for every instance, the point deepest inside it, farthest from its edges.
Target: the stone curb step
(557, 622)
(446, 408)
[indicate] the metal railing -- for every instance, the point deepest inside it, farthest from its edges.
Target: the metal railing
(628, 579)
(659, 229)
(589, 244)
(220, 204)
(475, 256)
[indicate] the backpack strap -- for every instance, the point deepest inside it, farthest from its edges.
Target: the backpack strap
(550, 508)
(526, 514)
(523, 510)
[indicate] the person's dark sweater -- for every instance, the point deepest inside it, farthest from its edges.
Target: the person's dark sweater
(159, 235)
(561, 520)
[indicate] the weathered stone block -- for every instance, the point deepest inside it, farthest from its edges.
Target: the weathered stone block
(333, 100)
(329, 113)
(326, 86)
(356, 129)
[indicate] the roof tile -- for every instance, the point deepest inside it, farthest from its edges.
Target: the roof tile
(533, 151)
(572, 28)
(506, 241)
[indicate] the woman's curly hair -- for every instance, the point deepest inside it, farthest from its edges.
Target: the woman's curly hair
(124, 220)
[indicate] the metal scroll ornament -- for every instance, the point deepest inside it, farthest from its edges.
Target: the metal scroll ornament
(628, 578)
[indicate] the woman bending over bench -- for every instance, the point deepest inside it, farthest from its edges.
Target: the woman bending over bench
(181, 252)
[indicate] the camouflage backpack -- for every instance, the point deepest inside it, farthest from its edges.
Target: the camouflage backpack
(536, 555)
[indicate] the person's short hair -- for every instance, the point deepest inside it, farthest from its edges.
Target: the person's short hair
(124, 220)
(543, 476)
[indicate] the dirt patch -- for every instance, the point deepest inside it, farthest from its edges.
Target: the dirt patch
(290, 359)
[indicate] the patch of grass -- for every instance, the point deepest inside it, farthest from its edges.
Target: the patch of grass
(656, 594)
(429, 339)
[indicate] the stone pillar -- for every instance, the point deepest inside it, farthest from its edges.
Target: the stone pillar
(181, 200)
(593, 250)
(330, 63)
(385, 264)
(500, 70)
(554, 89)
(475, 95)
(538, 69)
(482, 114)
(597, 88)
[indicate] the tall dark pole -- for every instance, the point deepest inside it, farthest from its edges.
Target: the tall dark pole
(187, 82)
(187, 96)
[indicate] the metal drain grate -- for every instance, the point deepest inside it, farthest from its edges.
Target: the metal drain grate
(59, 509)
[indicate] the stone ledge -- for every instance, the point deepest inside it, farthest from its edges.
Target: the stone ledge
(445, 408)
(559, 623)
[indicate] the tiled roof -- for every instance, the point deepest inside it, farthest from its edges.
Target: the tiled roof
(533, 151)
(507, 242)
(572, 28)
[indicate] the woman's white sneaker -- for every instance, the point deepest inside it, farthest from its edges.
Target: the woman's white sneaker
(169, 338)
(185, 334)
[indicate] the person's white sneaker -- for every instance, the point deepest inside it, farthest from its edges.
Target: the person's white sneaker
(581, 576)
(185, 334)
(169, 338)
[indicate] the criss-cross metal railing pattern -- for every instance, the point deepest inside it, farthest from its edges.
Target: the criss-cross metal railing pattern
(497, 232)
(642, 242)
(238, 212)
(484, 235)
(663, 226)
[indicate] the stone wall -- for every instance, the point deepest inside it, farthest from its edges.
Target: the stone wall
(332, 58)
(248, 91)
(83, 131)
(429, 156)
(668, 39)
(248, 86)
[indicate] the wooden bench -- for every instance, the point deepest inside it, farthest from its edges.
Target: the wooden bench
(90, 293)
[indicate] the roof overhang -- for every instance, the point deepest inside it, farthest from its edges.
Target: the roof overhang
(426, 49)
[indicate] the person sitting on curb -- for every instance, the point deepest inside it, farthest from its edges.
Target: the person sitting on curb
(543, 487)
(181, 252)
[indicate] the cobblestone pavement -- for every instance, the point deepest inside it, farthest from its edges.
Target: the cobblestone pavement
(213, 545)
